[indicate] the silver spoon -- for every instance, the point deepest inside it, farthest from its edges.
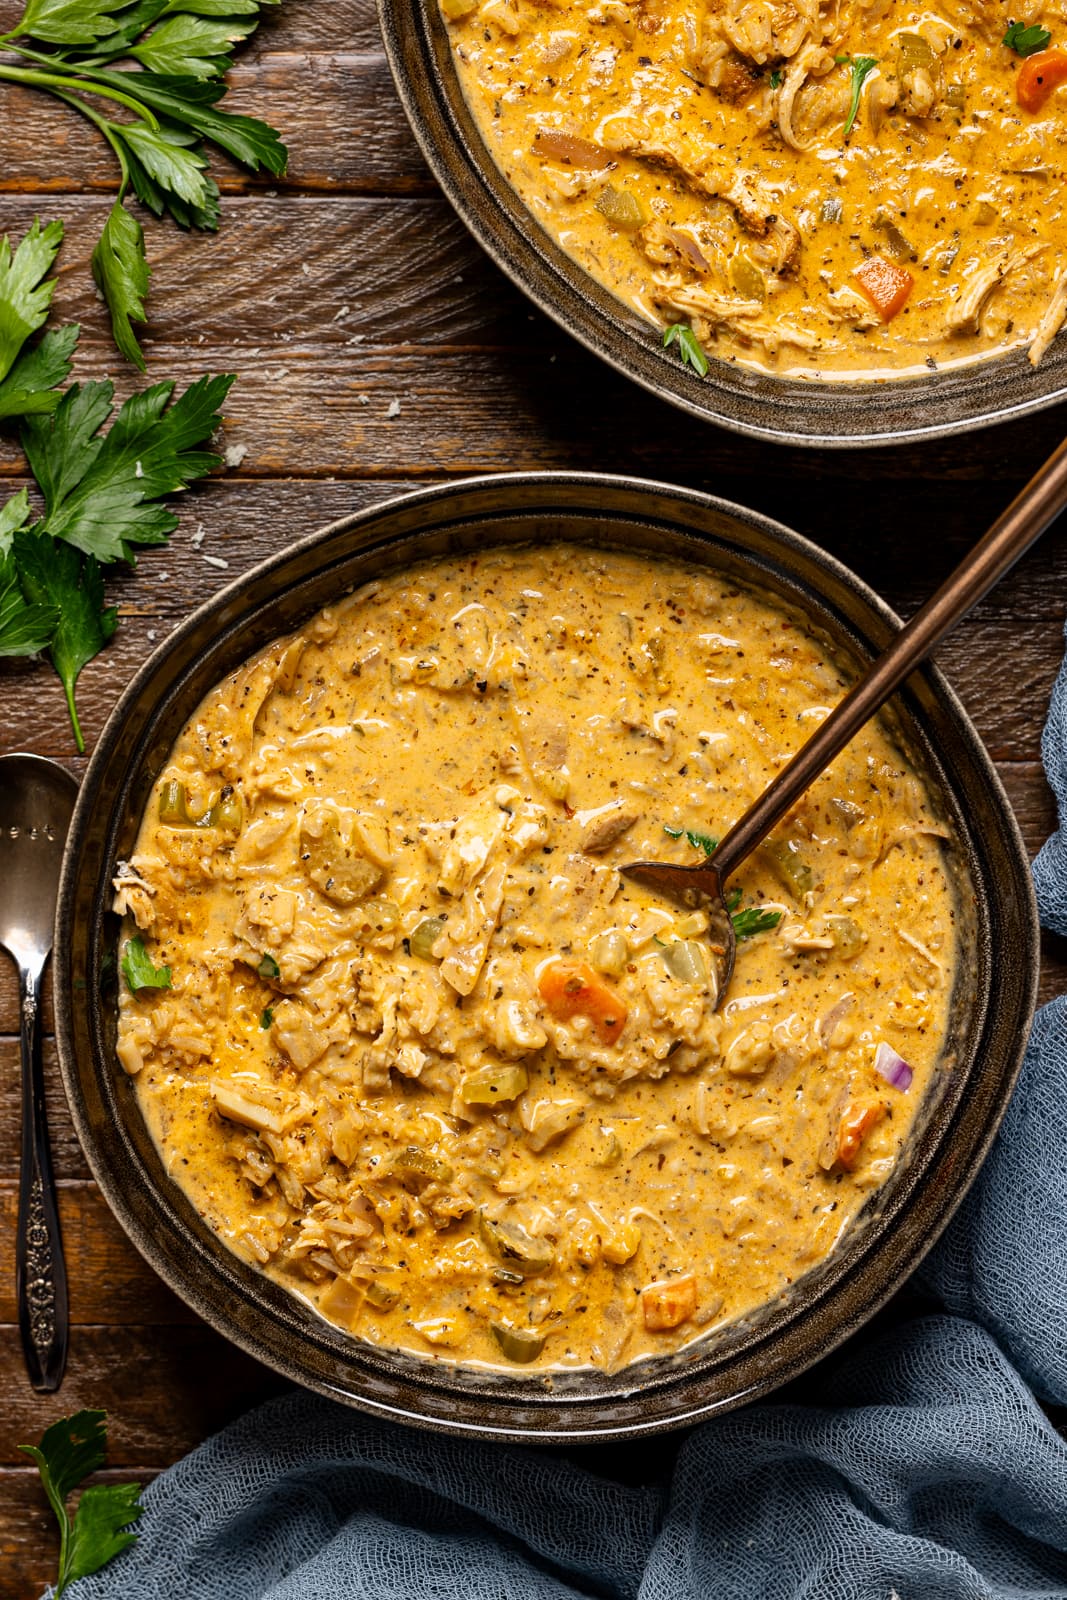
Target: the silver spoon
(36, 801)
(703, 886)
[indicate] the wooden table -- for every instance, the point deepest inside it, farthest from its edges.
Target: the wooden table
(337, 295)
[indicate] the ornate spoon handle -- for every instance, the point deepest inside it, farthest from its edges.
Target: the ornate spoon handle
(41, 1273)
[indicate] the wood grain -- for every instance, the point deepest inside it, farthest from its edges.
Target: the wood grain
(165, 1388)
(338, 293)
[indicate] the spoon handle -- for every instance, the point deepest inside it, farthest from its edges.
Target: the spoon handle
(41, 1273)
(1029, 514)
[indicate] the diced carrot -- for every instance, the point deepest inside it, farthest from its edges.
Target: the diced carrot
(668, 1304)
(856, 1123)
(571, 150)
(1038, 76)
(886, 285)
(573, 989)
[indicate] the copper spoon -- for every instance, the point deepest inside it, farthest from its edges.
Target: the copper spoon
(36, 801)
(703, 886)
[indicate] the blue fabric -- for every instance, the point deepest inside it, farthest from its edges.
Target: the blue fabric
(927, 1470)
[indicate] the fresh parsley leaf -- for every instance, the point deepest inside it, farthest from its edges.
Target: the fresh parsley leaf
(14, 514)
(66, 21)
(24, 294)
(31, 388)
(752, 921)
(101, 1528)
(1026, 40)
(138, 968)
(183, 49)
(689, 347)
(205, 216)
(248, 140)
(53, 574)
(25, 627)
(776, 78)
(69, 1451)
(862, 67)
(99, 490)
(269, 968)
(699, 841)
(192, 47)
(121, 274)
(169, 156)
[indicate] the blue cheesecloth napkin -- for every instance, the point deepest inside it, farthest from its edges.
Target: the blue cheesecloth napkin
(928, 1470)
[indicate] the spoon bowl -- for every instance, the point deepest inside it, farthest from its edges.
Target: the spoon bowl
(36, 804)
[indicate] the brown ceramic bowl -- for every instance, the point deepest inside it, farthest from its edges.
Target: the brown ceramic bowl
(828, 414)
(991, 1004)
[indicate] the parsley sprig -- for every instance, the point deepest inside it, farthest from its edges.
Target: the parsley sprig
(69, 1451)
(862, 67)
(100, 489)
(689, 346)
(1026, 39)
(699, 841)
(752, 919)
(156, 117)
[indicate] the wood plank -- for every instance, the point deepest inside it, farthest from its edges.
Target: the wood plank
(336, 110)
(109, 1281)
(166, 1389)
(327, 410)
(311, 271)
(29, 1540)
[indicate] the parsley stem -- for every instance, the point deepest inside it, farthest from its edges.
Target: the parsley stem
(107, 129)
(65, 86)
(68, 690)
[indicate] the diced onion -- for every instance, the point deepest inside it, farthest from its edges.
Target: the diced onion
(893, 1068)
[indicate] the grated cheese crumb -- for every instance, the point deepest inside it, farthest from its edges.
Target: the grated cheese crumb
(151, 635)
(235, 454)
(214, 561)
(342, 313)
(197, 538)
(394, 409)
(363, 399)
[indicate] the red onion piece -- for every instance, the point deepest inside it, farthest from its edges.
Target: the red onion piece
(893, 1068)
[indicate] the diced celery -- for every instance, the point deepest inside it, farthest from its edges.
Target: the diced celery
(425, 937)
(518, 1344)
(515, 1247)
(493, 1085)
(684, 960)
(622, 209)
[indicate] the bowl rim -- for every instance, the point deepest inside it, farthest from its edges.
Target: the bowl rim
(756, 405)
(71, 986)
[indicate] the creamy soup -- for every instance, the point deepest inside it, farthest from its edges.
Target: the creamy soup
(836, 190)
(411, 1044)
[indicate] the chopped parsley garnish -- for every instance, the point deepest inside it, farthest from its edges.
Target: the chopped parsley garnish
(752, 920)
(689, 347)
(101, 489)
(699, 841)
(862, 67)
(1026, 39)
(69, 1451)
(269, 968)
(776, 78)
(181, 50)
(139, 969)
(266, 1017)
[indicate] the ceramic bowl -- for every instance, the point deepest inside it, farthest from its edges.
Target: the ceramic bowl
(828, 415)
(991, 1003)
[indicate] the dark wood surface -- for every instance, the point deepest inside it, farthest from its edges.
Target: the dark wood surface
(334, 293)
